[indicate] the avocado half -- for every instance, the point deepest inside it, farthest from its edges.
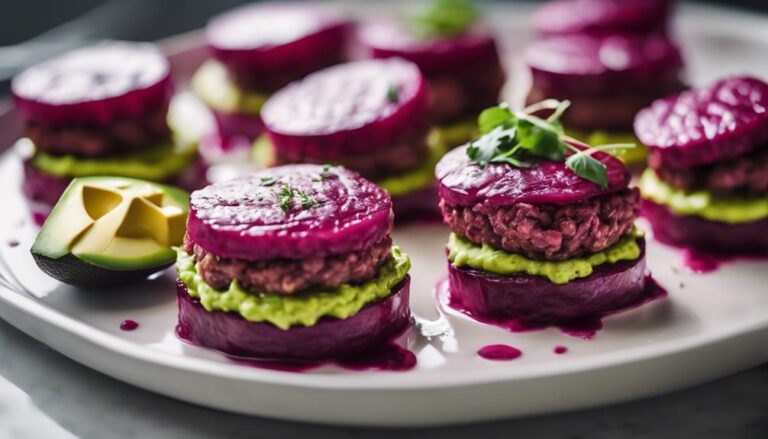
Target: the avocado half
(111, 231)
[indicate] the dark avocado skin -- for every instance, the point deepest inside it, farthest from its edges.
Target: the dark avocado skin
(73, 271)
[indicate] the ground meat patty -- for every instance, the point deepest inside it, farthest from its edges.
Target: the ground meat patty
(375, 164)
(746, 174)
(548, 231)
(120, 136)
(459, 95)
(291, 276)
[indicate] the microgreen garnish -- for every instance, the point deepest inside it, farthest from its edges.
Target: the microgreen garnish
(445, 18)
(286, 198)
(306, 199)
(268, 181)
(393, 93)
(519, 138)
(324, 174)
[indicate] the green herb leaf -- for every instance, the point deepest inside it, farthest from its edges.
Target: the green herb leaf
(589, 168)
(268, 181)
(499, 141)
(492, 117)
(445, 18)
(286, 198)
(306, 199)
(540, 137)
(393, 93)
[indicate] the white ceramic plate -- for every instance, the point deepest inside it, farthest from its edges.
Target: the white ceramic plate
(711, 325)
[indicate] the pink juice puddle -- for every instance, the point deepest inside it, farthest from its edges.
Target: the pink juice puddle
(128, 325)
(499, 352)
(559, 350)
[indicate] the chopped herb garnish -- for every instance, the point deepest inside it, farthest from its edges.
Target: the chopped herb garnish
(393, 94)
(268, 181)
(445, 18)
(306, 199)
(286, 198)
(519, 138)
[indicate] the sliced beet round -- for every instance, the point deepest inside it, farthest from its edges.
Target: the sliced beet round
(275, 37)
(704, 235)
(596, 16)
(420, 206)
(437, 56)
(290, 212)
(536, 300)
(348, 109)
(329, 338)
(95, 85)
(584, 65)
(724, 120)
(465, 183)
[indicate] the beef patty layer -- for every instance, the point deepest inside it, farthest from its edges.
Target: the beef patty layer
(290, 276)
(547, 231)
(120, 136)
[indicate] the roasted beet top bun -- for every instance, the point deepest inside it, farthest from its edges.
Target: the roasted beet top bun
(607, 78)
(542, 229)
(707, 182)
(602, 16)
(100, 110)
(457, 55)
(258, 49)
(293, 262)
(369, 116)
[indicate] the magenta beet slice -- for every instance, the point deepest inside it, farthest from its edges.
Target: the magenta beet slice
(330, 338)
(536, 300)
(438, 56)
(247, 218)
(275, 37)
(348, 109)
(420, 206)
(584, 65)
(726, 119)
(465, 183)
(95, 85)
(231, 125)
(597, 16)
(700, 234)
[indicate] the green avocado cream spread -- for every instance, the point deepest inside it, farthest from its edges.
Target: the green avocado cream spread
(303, 309)
(464, 253)
(157, 164)
(213, 86)
(725, 209)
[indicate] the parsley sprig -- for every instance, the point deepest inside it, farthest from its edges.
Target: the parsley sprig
(518, 138)
(287, 194)
(445, 18)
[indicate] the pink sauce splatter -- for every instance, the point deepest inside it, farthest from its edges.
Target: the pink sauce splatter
(585, 328)
(39, 218)
(703, 262)
(128, 325)
(13, 243)
(499, 352)
(559, 350)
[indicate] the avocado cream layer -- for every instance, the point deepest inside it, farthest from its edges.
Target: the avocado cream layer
(725, 209)
(303, 309)
(464, 253)
(212, 84)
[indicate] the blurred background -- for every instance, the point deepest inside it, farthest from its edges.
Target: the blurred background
(38, 29)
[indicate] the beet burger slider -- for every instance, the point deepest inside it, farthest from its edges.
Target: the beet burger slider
(542, 228)
(369, 116)
(456, 53)
(561, 17)
(256, 50)
(707, 182)
(293, 262)
(608, 78)
(101, 110)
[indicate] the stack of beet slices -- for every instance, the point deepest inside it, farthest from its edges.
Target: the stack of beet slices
(540, 245)
(370, 116)
(707, 182)
(610, 59)
(101, 110)
(292, 263)
(256, 50)
(464, 71)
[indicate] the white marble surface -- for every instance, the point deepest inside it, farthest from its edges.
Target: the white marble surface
(46, 395)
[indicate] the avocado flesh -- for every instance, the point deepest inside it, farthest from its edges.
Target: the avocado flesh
(111, 224)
